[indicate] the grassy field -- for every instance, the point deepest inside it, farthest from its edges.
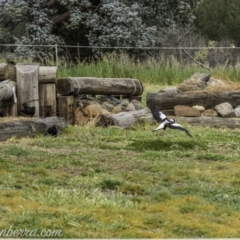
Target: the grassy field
(108, 182)
(113, 183)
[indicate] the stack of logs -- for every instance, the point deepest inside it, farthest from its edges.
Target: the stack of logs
(39, 87)
(34, 85)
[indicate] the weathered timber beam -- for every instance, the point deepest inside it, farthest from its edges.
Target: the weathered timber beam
(216, 122)
(101, 86)
(28, 127)
(191, 98)
(126, 119)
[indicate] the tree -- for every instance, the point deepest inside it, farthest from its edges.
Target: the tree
(93, 22)
(219, 19)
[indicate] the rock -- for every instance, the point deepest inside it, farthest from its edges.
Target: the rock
(130, 107)
(169, 90)
(137, 104)
(209, 113)
(185, 111)
(116, 109)
(124, 102)
(199, 108)
(105, 112)
(215, 82)
(106, 105)
(224, 109)
(198, 81)
(92, 110)
(79, 117)
(237, 111)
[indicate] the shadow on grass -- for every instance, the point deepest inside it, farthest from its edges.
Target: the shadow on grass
(156, 145)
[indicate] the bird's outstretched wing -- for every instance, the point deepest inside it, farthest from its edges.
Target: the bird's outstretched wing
(178, 127)
(161, 126)
(157, 115)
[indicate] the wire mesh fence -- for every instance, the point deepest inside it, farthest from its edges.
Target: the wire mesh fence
(207, 57)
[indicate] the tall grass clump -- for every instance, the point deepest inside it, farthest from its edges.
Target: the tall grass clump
(163, 70)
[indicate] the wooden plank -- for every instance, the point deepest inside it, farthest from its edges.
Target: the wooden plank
(47, 99)
(27, 87)
(99, 86)
(65, 108)
(9, 107)
(48, 74)
(28, 127)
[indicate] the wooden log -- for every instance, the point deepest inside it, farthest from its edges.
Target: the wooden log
(99, 86)
(47, 99)
(126, 119)
(2, 75)
(27, 87)
(47, 74)
(215, 122)
(202, 98)
(65, 108)
(6, 89)
(10, 72)
(7, 72)
(28, 127)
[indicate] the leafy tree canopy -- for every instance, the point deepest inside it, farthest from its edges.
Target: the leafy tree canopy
(219, 19)
(103, 23)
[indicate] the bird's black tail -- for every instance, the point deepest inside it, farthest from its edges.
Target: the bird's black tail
(188, 133)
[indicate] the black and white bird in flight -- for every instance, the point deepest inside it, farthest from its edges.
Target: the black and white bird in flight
(166, 122)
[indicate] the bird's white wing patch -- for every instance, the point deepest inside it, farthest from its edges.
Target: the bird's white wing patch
(162, 115)
(161, 126)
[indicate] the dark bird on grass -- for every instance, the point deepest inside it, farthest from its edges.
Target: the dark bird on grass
(28, 111)
(48, 114)
(2, 112)
(53, 131)
(166, 122)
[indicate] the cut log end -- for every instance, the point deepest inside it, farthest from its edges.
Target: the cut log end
(64, 87)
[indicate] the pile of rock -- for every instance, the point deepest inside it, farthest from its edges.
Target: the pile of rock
(88, 108)
(192, 88)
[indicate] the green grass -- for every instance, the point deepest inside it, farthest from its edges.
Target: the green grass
(162, 71)
(109, 182)
(114, 183)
